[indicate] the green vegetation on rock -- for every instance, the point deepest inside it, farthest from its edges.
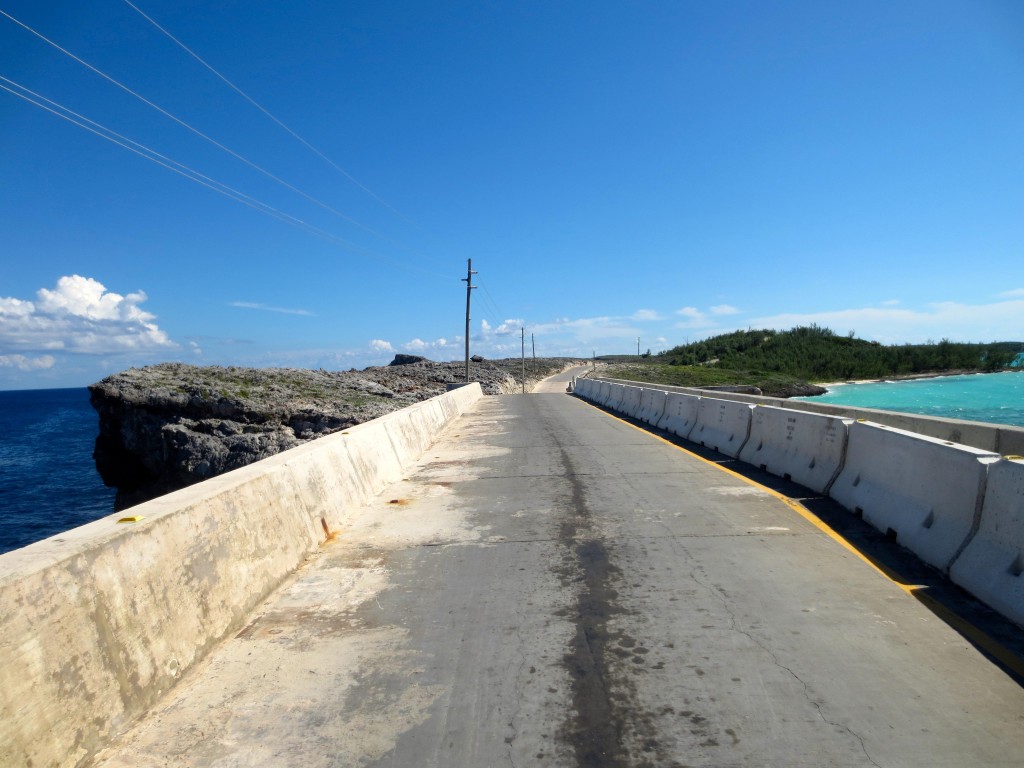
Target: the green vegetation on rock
(781, 362)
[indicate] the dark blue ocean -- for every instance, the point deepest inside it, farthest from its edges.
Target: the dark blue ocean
(48, 481)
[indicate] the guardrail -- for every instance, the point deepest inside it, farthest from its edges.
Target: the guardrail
(958, 506)
(98, 622)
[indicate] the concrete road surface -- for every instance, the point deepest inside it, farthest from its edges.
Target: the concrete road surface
(551, 586)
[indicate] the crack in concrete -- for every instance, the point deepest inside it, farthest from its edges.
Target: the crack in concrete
(735, 627)
(519, 688)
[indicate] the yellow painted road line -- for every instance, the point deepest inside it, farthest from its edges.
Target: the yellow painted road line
(978, 637)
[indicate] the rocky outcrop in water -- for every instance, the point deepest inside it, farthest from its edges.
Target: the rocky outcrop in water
(167, 426)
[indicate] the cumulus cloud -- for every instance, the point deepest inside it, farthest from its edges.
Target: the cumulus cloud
(723, 309)
(418, 345)
(380, 345)
(79, 315)
(694, 318)
(23, 363)
(510, 326)
(999, 321)
(266, 308)
(645, 314)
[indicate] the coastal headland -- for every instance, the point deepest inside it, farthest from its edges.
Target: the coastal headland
(168, 426)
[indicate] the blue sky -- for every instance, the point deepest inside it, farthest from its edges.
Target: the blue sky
(661, 170)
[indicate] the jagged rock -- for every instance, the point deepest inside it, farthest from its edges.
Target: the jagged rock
(164, 427)
(401, 359)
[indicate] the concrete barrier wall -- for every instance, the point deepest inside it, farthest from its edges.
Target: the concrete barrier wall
(722, 425)
(928, 491)
(630, 404)
(615, 394)
(652, 405)
(991, 565)
(680, 415)
(1000, 438)
(807, 448)
(957, 506)
(99, 622)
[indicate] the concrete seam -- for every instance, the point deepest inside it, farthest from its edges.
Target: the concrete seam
(979, 504)
(842, 460)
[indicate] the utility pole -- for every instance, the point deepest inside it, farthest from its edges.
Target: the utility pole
(468, 280)
(638, 346)
(533, 341)
(523, 332)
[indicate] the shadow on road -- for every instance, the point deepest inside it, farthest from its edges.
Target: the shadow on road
(999, 639)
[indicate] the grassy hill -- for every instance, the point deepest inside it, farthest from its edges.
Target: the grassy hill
(778, 361)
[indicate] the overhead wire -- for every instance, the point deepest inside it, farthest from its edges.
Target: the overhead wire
(193, 129)
(187, 172)
(267, 112)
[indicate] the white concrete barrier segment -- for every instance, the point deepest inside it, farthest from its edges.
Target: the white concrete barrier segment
(581, 387)
(991, 565)
(807, 448)
(630, 404)
(722, 425)
(927, 491)
(652, 405)
(98, 622)
(615, 394)
(603, 392)
(680, 415)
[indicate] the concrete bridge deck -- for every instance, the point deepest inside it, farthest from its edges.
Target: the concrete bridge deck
(553, 587)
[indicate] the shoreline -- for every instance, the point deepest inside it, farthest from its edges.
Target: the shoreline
(916, 376)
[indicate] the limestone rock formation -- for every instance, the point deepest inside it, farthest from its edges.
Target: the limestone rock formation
(167, 426)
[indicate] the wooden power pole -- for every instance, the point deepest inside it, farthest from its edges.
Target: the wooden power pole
(468, 280)
(523, 334)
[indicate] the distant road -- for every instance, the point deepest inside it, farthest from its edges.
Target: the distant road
(551, 586)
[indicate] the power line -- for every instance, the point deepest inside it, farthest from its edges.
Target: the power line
(494, 305)
(189, 173)
(266, 112)
(191, 128)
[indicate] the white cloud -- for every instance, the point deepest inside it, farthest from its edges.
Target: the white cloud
(1016, 293)
(723, 309)
(80, 316)
(891, 303)
(1000, 321)
(418, 345)
(266, 308)
(510, 326)
(645, 314)
(23, 363)
(381, 346)
(699, 319)
(485, 327)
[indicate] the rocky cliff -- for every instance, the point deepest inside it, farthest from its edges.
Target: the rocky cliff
(167, 426)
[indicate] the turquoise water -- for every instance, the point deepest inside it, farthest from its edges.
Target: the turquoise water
(997, 398)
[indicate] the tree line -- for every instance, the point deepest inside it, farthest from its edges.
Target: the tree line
(815, 353)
